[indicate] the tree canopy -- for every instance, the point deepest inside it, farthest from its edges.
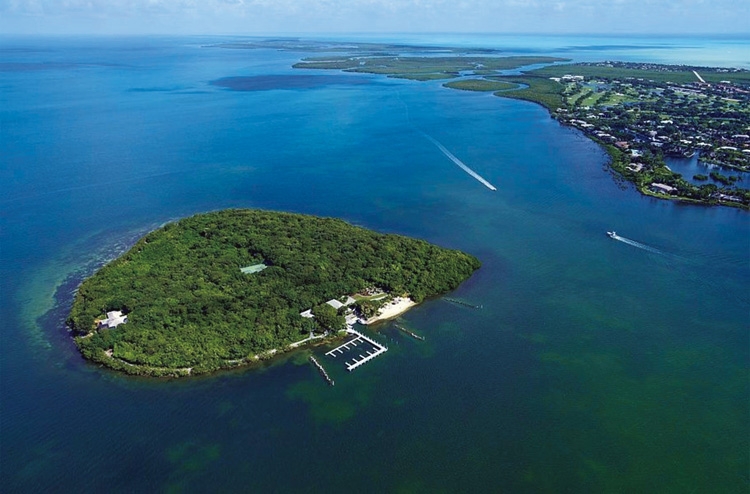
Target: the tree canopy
(190, 307)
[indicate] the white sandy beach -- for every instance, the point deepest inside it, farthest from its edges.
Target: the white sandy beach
(394, 308)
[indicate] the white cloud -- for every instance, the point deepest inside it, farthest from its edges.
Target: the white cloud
(607, 16)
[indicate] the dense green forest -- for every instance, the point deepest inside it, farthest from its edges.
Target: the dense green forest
(190, 307)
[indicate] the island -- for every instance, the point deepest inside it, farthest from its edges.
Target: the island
(229, 288)
(423, 68)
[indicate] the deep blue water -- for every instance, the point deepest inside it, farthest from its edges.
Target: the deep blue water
(593, 366)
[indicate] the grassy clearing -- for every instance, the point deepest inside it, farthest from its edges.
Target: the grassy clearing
(618, 99)
(592, 99)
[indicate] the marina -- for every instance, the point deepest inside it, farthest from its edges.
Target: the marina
(360, 343)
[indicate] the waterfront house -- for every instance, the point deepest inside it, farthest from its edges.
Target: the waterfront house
(662, 188)
(725, 197)
(114, 319)
(635, 167)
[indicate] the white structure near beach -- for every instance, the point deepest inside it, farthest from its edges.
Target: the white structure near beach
(394, 308)
(114, 319)
(337, 304)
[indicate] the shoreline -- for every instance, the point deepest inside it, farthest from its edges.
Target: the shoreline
(395, 308)
(142, 370)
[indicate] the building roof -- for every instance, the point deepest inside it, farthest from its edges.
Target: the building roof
(255, 268)
(114, 319)
(663, 187)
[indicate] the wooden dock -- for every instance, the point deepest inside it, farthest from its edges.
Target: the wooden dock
(409, 332)
(322, 370)
(461, 302)
(362, 358)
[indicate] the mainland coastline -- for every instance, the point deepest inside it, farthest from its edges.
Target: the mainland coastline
(641, 114)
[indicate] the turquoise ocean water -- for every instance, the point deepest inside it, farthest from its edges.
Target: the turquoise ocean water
(593, 365)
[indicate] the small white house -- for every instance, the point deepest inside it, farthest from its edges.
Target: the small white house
(114, 319)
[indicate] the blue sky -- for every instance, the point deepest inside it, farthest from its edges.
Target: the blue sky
(251, 17)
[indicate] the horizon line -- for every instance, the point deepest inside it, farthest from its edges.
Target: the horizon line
(692, 34)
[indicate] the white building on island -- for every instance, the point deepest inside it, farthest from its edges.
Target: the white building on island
(333, 303)
(114, 319)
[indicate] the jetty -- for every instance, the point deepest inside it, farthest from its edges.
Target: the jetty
(322, 370)
(409, 332)
(461, 302)
(356, 342)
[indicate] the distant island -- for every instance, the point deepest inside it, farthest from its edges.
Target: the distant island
(229, 288)
(421, 68)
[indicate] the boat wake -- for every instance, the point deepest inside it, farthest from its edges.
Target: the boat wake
(635, 244)
(444, 150)
(693, 266)
(460, 163)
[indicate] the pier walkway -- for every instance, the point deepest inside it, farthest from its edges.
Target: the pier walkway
(363, 357)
